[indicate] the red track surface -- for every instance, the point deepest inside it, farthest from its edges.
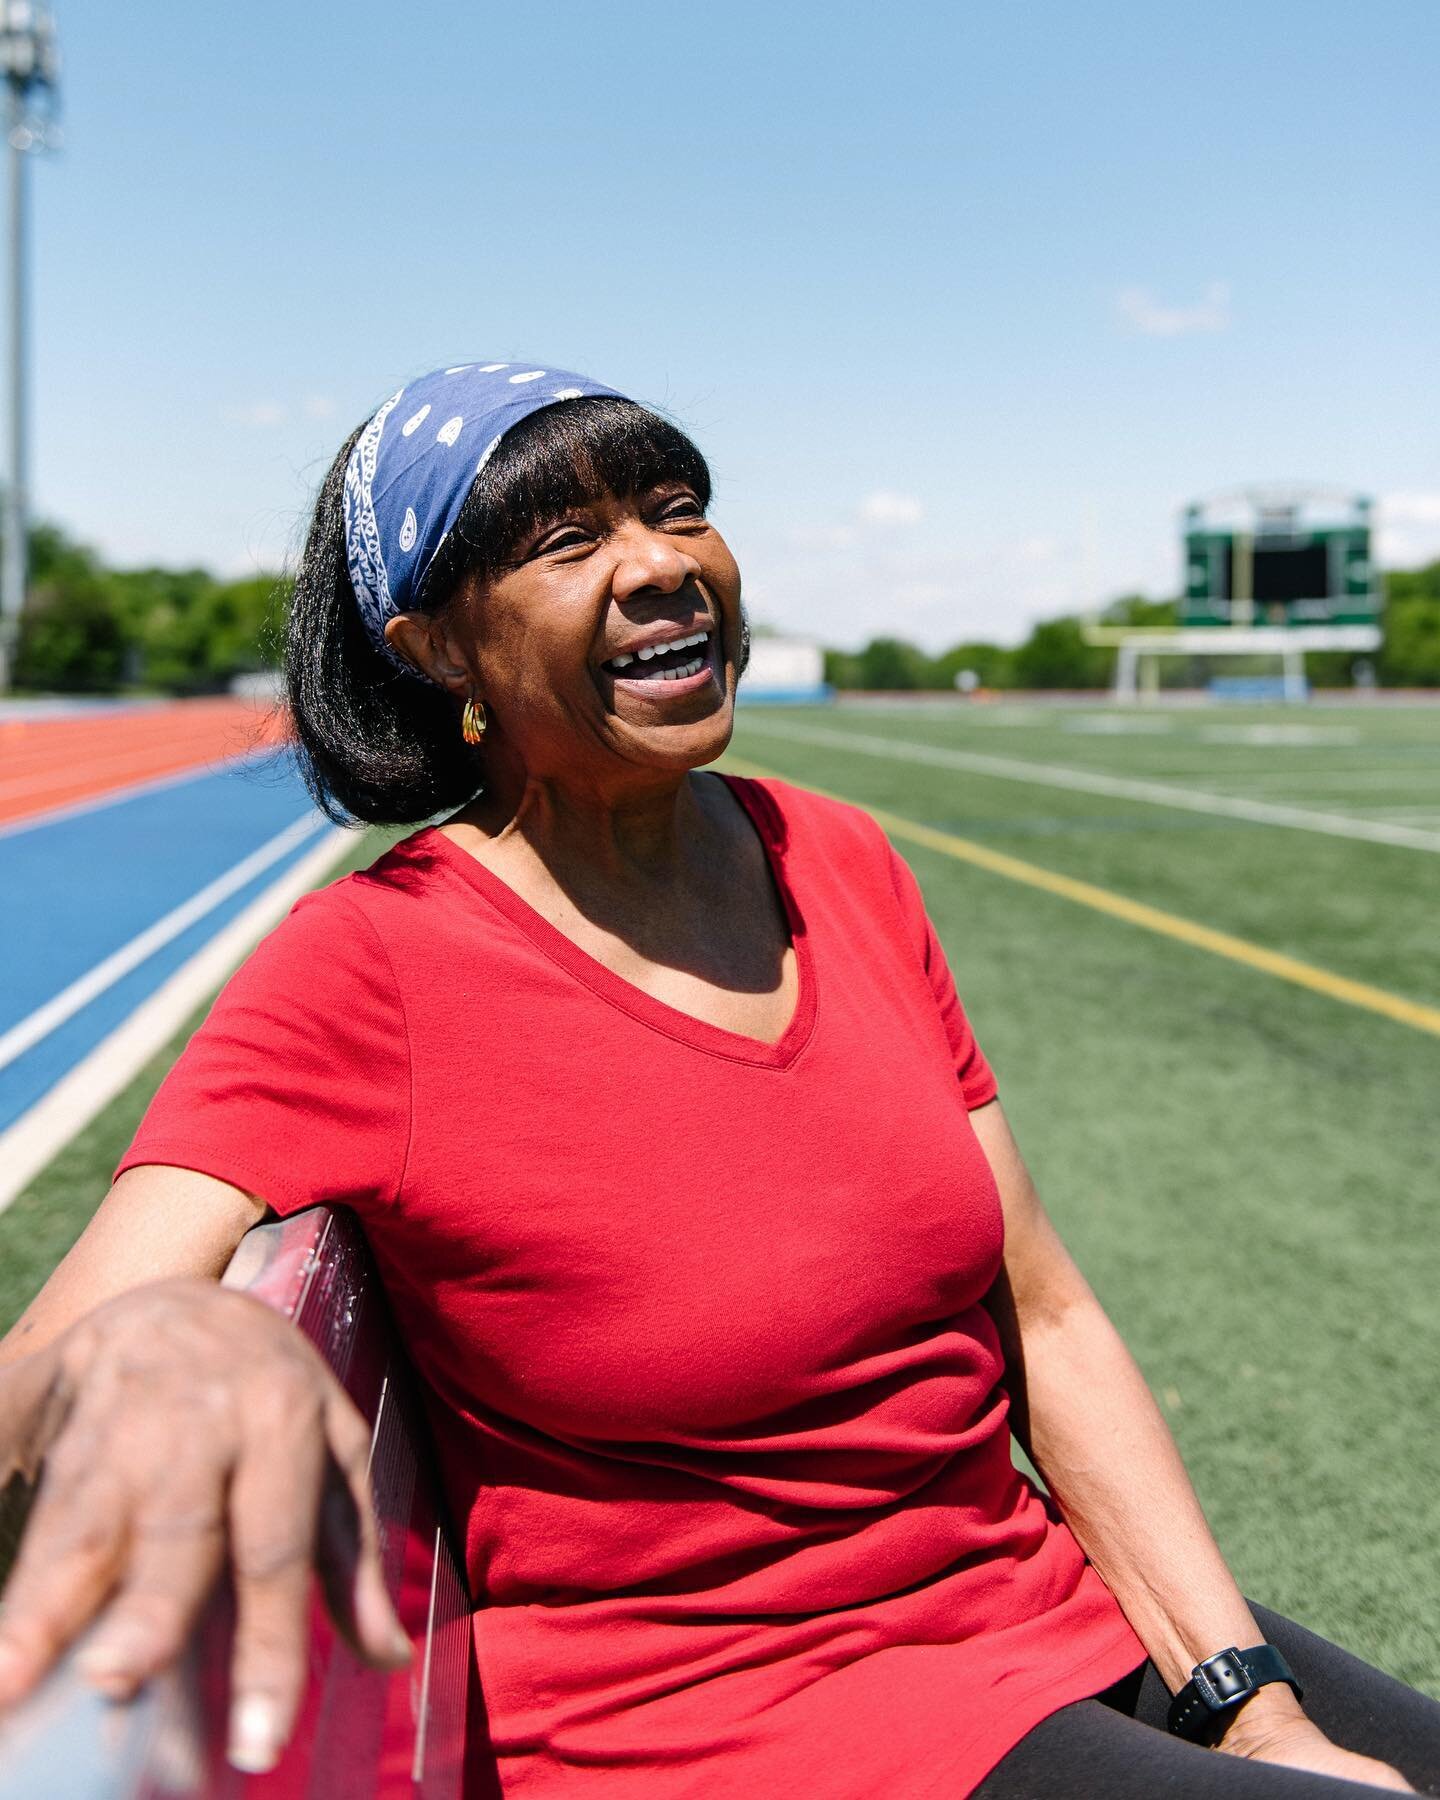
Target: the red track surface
(46, 763)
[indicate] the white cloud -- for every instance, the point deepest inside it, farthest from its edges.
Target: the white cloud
(262, 414)
(885, 507)
(265, 415)
(1407, 528)
(1147, 315)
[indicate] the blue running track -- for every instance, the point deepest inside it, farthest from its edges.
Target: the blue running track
(76, 889)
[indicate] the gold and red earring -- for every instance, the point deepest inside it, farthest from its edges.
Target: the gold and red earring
(473, 721)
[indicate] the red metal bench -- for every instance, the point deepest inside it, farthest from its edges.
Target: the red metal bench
(362, 1735)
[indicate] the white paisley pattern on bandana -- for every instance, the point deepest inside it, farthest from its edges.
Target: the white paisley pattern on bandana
(362, 534)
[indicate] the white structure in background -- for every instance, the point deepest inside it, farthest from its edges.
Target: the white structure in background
(785, 669)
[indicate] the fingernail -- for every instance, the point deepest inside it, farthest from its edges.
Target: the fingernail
(108, 1656)
(254, 1746)
(400, 1646)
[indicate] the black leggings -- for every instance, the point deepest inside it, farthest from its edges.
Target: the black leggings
(1116, 1747)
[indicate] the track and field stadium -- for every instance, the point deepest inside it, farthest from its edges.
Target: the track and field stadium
(1199, 944)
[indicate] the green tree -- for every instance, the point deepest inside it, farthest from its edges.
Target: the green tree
(1055, 655)
(72, 637)
(842, 669)
(1410, 652)
(1140, 609)
(991, 662)
(891, 664)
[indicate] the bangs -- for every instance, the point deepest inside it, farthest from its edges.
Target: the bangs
(561, 457)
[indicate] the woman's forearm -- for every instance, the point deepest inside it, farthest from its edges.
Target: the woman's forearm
(155, 1224)
(1082, 1411)
(1097, 1437)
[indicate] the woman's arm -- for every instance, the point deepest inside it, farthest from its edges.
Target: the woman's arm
(176, 1428)
(156, 1223)
(1086, 1418)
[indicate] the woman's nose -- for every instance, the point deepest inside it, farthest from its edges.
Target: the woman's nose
(650, 561)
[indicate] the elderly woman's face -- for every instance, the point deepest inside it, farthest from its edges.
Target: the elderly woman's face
(614, 632)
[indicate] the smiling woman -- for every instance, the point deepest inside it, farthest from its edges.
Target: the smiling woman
(695, 1208)
(381, 746)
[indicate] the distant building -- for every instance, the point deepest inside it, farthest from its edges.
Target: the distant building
(785, 670)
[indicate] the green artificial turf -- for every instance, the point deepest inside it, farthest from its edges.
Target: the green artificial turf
(1246, 1170)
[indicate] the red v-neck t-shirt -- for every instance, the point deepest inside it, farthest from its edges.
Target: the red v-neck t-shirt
(717, 1398)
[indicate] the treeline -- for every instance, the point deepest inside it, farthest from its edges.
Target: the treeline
(91, 629)
(1056, 655)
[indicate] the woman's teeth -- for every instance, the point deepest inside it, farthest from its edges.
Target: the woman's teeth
(689, 668)
(670, 671)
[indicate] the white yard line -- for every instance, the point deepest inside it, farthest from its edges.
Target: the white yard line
(38, 1135)
(1318, 777)
(87, 987)
(1093, 781)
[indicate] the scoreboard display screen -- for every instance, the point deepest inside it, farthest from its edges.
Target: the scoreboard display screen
(1290, 573)
(1278, 569)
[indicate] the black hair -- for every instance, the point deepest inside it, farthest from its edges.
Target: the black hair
(375, 744)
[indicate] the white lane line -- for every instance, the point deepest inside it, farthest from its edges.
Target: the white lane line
(37, 1136)
(70, 1000)
(73, 809)
(1092, 781)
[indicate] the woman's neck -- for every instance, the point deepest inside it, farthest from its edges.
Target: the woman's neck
(657, 833)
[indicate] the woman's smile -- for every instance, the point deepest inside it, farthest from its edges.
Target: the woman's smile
(667, 663)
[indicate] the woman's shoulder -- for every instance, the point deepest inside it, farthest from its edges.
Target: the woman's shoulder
(400, 875)
(333, 933)
(802, 820)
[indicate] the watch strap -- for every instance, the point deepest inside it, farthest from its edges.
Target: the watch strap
(1222, 1684)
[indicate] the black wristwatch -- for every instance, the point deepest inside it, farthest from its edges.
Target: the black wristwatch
(1220, 1686)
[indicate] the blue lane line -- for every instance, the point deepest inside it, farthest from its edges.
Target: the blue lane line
(75, 891)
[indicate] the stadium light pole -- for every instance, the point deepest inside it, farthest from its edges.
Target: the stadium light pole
(30, 64)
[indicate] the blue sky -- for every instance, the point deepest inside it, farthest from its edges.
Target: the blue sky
(963, 302)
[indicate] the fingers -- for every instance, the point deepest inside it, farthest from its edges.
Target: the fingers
(274, 1506)
(349, 1550)
(175, 1556)
(195, 1428)
(67, 1566)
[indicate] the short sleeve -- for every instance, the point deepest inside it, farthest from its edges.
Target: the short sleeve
(977, 1079)
(297, 1086)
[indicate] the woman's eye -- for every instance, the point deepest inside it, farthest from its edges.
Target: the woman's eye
(683, 506)
(570, 537)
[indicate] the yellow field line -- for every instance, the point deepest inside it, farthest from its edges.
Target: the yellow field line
(1148, 918)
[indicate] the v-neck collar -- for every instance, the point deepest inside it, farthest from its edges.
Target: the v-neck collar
(714, 1040)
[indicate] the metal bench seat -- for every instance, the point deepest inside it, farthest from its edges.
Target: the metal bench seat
(362, 1734)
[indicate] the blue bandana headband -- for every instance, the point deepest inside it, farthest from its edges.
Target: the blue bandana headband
(413, 465)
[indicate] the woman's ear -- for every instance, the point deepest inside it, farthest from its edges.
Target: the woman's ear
(425, 640)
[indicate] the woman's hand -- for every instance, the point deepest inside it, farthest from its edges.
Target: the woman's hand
(183, 1428)
(1296, 1743)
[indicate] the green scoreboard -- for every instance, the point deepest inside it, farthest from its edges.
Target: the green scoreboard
(1298, 557)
